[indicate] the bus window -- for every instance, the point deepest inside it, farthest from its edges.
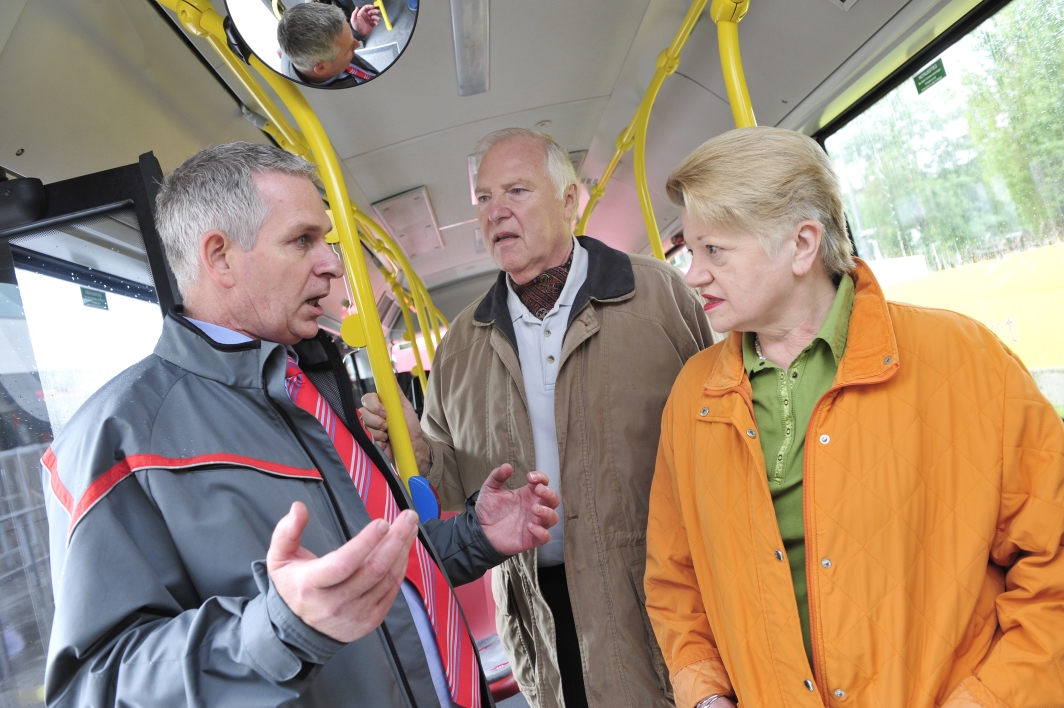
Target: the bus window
(77, 306)
(954, 184)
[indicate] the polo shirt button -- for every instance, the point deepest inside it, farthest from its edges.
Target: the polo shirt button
(808, 684)
(826, 562)
(750, 433)
(546, 333)
(824, 439)
(779, 555)
(839, 693)
(550, 359)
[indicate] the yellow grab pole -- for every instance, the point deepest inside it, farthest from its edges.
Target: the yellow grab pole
(384, 14)
(727, 13)
(355, 264)
(668, 62)
(635, 135)
(624, 144)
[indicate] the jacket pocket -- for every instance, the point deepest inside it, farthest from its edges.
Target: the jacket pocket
(636, 568)
(513, 623)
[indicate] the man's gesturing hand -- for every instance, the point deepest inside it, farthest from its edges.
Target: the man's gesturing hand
(516, 520)
(375, 419)
(344, 594)
(365, 18)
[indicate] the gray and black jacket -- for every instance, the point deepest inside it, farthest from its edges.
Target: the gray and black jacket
(165, 489)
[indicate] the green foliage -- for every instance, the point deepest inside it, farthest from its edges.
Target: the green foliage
(974, 166)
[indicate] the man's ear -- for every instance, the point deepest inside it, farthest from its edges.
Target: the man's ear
(807, 246)
(571, 199)
(216, 252)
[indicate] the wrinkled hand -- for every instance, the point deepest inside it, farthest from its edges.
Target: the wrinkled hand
(516, 520)
(365, 18)
(344, 594)
(375, 418)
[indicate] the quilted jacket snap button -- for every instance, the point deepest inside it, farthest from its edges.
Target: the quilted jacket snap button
(824, 439)
(808, 684)
(704, 412)
(750, 432)
(839, 693)
(888, 360)
(826, 562)
(779, 555)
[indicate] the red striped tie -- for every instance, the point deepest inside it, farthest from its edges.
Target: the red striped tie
(456, 647)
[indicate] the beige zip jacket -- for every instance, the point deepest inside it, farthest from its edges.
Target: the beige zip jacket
(632, 327)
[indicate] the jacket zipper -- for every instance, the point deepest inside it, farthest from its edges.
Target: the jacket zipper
(810, 558)
(347, 535)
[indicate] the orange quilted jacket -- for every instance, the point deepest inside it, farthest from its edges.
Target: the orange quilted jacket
(934, 510)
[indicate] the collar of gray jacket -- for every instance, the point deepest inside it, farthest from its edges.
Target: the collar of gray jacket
(609, 276)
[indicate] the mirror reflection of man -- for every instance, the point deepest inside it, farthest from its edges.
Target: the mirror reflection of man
(318, 44)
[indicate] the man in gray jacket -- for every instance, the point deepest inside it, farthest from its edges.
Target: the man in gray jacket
(175, 583)
(564, 366)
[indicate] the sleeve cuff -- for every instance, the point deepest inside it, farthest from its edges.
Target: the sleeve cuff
(301, 641)
(491, 556)
(699, 679)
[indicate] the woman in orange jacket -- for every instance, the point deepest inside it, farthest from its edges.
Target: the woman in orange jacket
(857, 502)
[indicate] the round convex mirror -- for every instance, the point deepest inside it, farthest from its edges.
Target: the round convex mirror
(331, 44)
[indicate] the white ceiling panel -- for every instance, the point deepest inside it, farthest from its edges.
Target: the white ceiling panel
(124, 84)
(542, 53)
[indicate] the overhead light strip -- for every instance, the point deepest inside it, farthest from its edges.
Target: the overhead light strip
(469, 18)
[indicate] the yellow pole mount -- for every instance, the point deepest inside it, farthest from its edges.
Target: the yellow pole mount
(727, 13)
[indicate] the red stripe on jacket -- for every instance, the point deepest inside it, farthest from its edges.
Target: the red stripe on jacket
(102, 485)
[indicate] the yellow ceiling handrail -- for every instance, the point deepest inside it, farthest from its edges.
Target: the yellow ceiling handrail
(726, 13)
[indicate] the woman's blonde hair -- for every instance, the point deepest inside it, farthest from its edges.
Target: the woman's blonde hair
(765, 181)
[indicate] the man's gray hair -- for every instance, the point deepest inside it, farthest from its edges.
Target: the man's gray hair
(214, 189)
(559, 166)
(307, 33)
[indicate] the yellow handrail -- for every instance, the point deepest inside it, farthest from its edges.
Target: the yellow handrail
(726, 13)
(311, 141)
(635, 135)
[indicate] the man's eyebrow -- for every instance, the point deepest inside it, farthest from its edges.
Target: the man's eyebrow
(302, 226)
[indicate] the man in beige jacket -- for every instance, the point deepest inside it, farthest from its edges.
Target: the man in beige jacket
(564, 366)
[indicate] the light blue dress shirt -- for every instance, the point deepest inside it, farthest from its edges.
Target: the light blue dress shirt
(539, 347)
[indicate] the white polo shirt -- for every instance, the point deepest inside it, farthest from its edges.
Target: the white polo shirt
(539, 347)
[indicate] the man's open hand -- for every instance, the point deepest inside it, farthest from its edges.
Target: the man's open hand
(344, 594)
(516, 520)
(365, 18)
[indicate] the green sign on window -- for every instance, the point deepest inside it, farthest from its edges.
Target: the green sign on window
(930, 76)
(94, 298)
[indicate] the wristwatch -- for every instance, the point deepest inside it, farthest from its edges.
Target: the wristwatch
(707, 701)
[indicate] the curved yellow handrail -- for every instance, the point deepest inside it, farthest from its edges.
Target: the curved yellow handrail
(635, 135)
(726, 13)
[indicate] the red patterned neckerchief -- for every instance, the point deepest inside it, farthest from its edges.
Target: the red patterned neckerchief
(541, 293)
